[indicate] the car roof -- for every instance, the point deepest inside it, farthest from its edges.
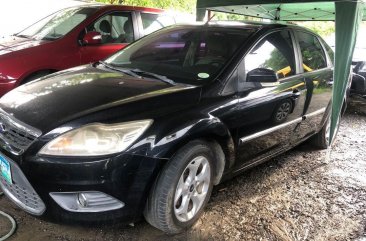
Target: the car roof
(121, 7)
(247, 25)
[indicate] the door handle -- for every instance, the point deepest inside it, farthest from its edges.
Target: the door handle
(296, 93)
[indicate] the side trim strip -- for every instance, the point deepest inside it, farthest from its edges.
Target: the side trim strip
(318, 112)
(267, 131)
(276, 128)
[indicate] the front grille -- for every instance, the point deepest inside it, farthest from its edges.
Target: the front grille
(16, 136)
(21, 192)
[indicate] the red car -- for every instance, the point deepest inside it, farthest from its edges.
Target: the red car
(72, 37)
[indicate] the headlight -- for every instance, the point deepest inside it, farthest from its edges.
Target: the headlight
(96, 139)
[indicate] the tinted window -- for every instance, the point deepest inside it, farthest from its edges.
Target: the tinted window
(274, 52)
(152, 22)
(313, 56)
(115, 28)
(193, 55)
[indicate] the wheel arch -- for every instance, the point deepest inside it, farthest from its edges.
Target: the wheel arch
(217, 136)
(33, 75)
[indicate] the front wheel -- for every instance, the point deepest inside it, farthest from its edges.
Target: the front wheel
(282, 111)
(182, 190)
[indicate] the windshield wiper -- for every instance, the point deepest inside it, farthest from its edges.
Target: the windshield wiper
(156, 76)
(125, 71)
(137, 73)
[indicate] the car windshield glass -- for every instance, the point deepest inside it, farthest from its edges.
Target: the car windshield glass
(190, 55)
(58, 24)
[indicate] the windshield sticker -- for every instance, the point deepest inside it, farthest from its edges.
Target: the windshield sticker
(203, 75)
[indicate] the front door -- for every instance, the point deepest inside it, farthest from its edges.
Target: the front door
(268, 110)
(117, 30)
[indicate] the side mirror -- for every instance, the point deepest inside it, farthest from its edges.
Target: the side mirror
(92, 38)
(262, 75)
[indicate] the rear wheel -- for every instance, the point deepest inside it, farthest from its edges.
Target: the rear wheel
(322, 139)
(182, 190)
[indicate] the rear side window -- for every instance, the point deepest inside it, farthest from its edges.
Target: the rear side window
(153, 22)
(330, 52)
(274, 53)
(313, 56)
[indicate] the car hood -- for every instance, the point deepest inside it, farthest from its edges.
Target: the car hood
(13, 43)
(56, 99)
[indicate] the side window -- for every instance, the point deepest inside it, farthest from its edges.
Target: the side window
(153, 22)
(330, 52)
(313, 56)
(115, 28)
(273, 56)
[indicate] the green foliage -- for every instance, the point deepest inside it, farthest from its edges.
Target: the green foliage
(233, 17)
(323, 28)
(188, 6)
(276, 62)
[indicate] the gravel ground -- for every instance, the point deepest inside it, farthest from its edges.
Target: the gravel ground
(304, 194)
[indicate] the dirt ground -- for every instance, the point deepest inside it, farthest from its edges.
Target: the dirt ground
(301, 195)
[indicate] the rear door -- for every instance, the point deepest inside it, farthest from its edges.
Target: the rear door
(268, 113)
(317, 69)
(118, 29)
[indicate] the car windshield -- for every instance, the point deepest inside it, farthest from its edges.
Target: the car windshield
(191, 55)
(58, 24)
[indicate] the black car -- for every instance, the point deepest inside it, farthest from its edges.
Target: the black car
(150, 130)
(358, 86)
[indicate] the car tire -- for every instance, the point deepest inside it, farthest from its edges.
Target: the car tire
(321, 139)
(182, 189)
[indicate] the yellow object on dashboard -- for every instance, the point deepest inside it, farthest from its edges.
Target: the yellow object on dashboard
(285, 71)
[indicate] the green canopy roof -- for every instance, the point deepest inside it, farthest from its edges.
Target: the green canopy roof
(275, 10)
(346, 13)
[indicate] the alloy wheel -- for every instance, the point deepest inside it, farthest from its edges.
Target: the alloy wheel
(192, 189)
(283, 111)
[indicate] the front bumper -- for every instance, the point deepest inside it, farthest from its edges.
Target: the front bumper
(21, 192)
(126, 178)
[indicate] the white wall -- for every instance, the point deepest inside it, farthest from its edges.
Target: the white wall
(15, 15)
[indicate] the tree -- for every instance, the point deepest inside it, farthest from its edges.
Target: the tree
(276, 62)
(324, 28)
(179, 5)
(112, 1)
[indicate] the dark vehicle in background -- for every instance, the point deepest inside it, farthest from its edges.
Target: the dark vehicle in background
(358, 86)
(153, 128)
(72, 37)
